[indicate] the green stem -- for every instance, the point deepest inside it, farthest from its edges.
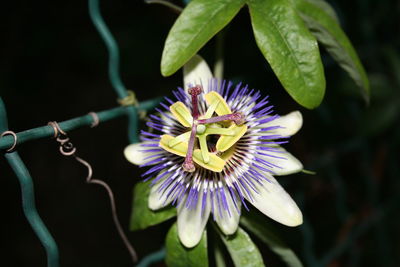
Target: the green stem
(86, 120)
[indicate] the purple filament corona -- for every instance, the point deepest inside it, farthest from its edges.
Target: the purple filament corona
(244, 169)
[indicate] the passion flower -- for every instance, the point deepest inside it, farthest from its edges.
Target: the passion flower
(215, 148)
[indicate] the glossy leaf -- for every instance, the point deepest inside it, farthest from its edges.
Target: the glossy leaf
(264, 230)
(197, 24)
(143, 217)
(290, 48)
(180, 256)
(329, 33)
(243, 251)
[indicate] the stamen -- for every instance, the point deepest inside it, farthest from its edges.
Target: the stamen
(220, 131)
(204, 148)
(194, 92)
(179, 139)
(188, 164)
(238, 118)
(211, 109)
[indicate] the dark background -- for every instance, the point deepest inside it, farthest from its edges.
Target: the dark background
(53, 66)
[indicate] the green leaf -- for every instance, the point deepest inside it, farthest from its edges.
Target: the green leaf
(290, 48)
(180, 256)
(329, 33)
(243, 251)
(143, 217)
(197, 24)
(265, 231)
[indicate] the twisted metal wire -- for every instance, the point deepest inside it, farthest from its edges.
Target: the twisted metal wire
(68, 149)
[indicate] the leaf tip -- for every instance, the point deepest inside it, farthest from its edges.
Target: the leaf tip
(166, 69)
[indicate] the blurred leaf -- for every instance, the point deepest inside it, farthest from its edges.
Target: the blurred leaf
(325, 6)
(379, 118)
(243, 251)
(219, 257)
(329, 33)
(382, 86)
(264, 230)
(196, 25)
(392, 57)
(180, 256)
(143, 217)
(291, 50)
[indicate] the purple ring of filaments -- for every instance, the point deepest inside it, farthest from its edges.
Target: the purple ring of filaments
(244, 170)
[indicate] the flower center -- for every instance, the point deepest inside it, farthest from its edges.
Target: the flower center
(226, 126)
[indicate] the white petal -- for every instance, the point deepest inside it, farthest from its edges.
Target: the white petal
(196, 71)
(134, 154)
(191, 222)
(158, 200)
(286, 163)
(289, 124)
(227, 222)
(273, 201)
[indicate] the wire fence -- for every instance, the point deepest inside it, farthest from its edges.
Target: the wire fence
(129, 106)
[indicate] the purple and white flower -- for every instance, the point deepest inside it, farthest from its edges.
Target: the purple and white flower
(215, 148)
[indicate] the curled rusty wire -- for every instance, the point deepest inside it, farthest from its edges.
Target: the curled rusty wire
(96, 119)
(11, 149)
(68, 149)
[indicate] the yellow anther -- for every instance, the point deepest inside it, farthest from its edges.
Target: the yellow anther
(179, 149)
(225, 141)
(220, 131)
(204, 148)
(181, 113)
(211, 109)
(179, 139)
(215, 163)
(222, 108)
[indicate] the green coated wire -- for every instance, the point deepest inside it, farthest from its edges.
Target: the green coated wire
(86, 120)
(112, 47)
(28, 198)
(27, 190)
(113, 67)
(29, 207)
